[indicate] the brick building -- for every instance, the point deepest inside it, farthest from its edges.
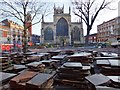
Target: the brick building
(13, 33)
(93, 38)
(109, 31)
(3, 33)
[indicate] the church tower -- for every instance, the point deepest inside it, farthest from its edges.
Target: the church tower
(29, 23)
(29, 26)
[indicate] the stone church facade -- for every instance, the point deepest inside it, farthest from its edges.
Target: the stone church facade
(61, 31)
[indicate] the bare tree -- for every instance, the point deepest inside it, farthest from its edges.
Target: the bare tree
(88, 11)
(20, 9)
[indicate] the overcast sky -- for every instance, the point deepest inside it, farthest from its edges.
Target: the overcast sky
(104, 15)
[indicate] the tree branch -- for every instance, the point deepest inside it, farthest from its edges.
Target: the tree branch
(92, 3)
(103, 5)
(11, 14)
(12, 7)
(80, 17)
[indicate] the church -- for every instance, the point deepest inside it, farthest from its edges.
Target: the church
(62, 31)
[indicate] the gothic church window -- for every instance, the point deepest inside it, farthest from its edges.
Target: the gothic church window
(62, 27)
(76, 34)
(48, 34)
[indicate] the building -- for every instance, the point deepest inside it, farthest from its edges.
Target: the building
(93, 38)
(109, 31)
(61, 31)
(3, 33)
(14, 33)
(35, 39)
(29, 26)
(118, 28)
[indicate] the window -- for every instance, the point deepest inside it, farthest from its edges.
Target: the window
(4, 33)
(48, 34)
(76, 34)
(62, 27)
